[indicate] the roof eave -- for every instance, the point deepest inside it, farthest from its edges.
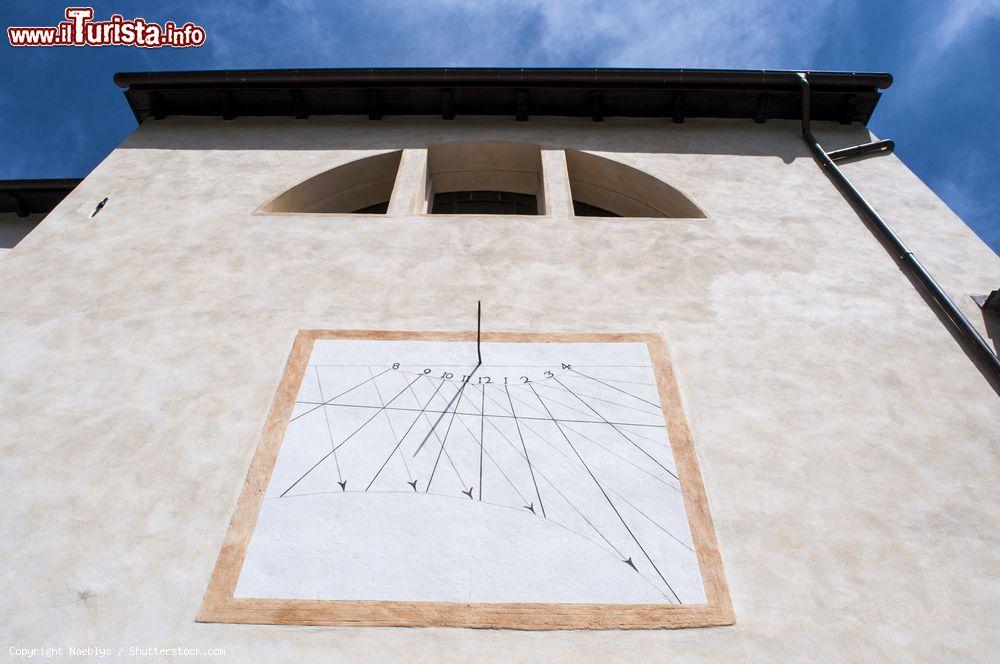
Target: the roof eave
(676, 93)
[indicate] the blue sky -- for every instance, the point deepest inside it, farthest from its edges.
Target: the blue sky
(60, 112)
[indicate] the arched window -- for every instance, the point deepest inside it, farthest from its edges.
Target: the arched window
(605, 188)
(363, 186)
(484, 177)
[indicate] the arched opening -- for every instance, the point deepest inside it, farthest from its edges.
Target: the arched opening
(363, 186)
(484, 177)
(605, 188)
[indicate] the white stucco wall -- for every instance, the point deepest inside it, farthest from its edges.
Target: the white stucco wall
(848, 445)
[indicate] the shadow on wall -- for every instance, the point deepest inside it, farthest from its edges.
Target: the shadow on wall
(991, 318)
(993, 332)
(13, 229)
(776, 138)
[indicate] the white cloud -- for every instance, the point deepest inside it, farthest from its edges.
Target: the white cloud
(653, 33)
(631, 33)
(959, 18)
(942, 30)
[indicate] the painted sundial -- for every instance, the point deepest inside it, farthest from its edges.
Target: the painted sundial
(521, 470)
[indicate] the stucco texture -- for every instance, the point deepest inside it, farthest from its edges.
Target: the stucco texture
(849, 447)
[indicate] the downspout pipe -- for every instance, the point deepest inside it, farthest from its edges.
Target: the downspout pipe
(910, 264)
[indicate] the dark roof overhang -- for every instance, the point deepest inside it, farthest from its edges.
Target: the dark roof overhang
(674, 93)
(26, 197)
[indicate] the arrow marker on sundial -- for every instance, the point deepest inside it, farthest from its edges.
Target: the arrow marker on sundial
(628, 561)
(343, 485)
(414, 484)
(468, 493)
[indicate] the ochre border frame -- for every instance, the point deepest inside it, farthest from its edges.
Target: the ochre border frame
(220, 605)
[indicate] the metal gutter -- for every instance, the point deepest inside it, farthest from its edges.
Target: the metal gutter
(967, 333)
(500, 76)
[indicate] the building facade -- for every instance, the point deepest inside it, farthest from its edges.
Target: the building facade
(830, 440)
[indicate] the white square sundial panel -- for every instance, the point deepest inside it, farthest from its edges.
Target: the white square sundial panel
(407, 475)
